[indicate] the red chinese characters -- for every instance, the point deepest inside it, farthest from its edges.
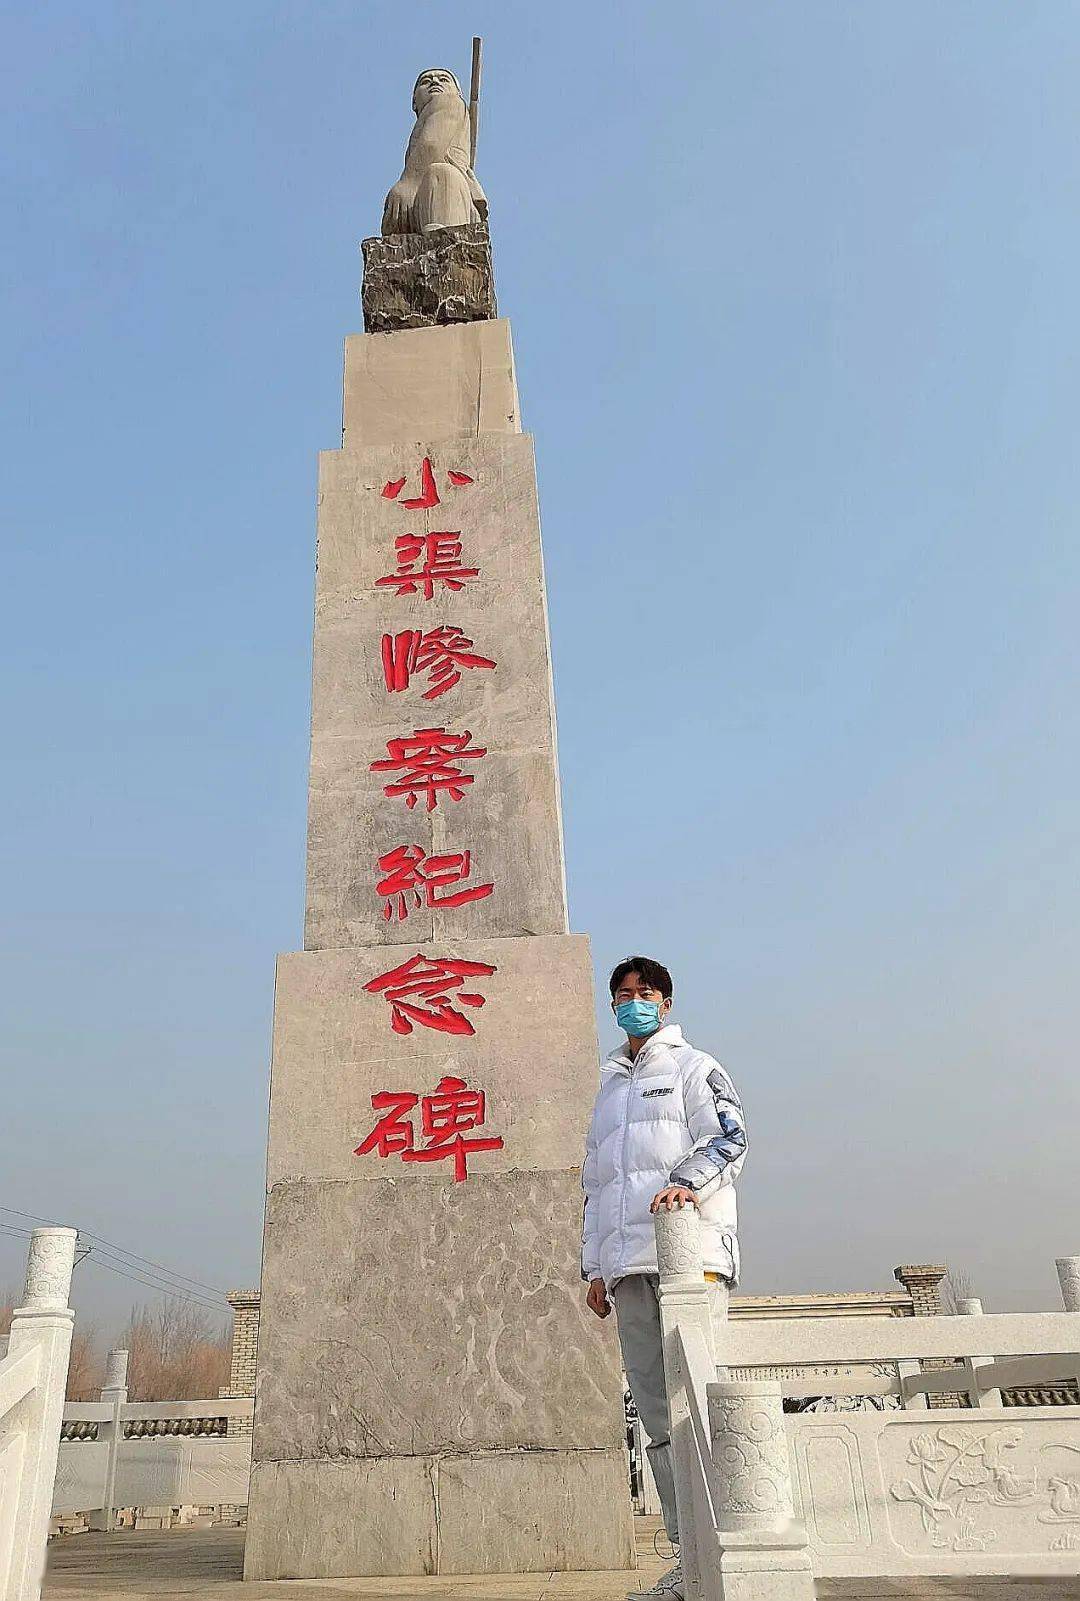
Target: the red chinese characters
(420, 990)
(428, 762)
(429, 494)
(447, 1118)
(411, 875)
(425, 560)
(442, 653)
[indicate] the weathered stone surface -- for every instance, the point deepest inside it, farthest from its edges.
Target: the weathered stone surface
(515, 1514)
(432, 1328)
(430, 383)
(510, 818)
(330, 1519)
(405, 1318)
(502, 1513)
(426, 280)
(334, 1049)
(350, 828)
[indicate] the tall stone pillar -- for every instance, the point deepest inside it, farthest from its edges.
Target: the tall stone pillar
(432, 1395)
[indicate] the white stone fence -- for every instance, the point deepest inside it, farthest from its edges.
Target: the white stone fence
(151, 1463)
(767, 1501)
(33, 1378)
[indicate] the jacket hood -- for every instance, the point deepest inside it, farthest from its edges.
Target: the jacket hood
(670, 1034)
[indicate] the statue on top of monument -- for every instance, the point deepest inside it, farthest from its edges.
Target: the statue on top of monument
(438, 188)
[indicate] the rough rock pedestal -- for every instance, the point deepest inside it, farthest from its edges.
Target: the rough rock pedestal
(432, 1395)
(426, 280)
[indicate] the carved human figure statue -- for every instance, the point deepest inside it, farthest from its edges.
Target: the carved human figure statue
(438, 188)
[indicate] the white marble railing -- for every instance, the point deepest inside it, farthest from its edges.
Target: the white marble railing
(145, 1420)
(985, 1490)
(120, 1453)
(33, 1377)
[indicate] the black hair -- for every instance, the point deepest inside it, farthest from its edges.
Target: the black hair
(655, 974)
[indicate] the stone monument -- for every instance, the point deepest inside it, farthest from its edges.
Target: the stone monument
(430, 1396)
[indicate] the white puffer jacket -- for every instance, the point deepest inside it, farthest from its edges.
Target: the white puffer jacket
(670, 1117)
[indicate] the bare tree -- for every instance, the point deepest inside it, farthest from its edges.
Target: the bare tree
(174, 1353)
(84, 1364)
(956, 1286)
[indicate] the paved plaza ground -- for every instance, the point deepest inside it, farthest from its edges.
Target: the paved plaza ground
(207, 1563)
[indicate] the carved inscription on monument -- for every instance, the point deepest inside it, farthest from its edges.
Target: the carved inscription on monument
(428, 765)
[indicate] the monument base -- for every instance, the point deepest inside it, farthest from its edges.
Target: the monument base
(433, 1394)
(424, 280)
(495, 1512)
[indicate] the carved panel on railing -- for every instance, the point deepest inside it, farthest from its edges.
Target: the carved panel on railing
(844, 1403)
(976, 1489)
(79, 1485)
(895, 1493)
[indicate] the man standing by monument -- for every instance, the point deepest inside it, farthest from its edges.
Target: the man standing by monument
(667, 1131)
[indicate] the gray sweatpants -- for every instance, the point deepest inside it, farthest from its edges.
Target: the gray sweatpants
(637, 1311)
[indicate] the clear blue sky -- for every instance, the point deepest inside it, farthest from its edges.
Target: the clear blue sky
(794, 301)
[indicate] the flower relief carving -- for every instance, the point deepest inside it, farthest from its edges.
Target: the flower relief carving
(960, 1469)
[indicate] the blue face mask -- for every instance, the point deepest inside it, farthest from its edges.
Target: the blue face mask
(638, 1018)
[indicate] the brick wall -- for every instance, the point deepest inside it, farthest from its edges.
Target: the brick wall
(245, 1345)
(922, 1281)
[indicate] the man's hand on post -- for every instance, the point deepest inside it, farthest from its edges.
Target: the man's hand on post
(675, 1195)
(597, 1300)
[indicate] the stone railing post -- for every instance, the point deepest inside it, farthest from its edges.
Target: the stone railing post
(1068, 1272)
(971, 1306)
(684, 1294)
(740, 1544)
(763, 1550)
(40, 1340)
(689, 1365)
(114, 1394)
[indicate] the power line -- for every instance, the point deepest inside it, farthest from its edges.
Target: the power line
(100, 1238)
(109, 1259)
(119, 1249)
(150, 1283)
(166, 1283)
(179, 1295)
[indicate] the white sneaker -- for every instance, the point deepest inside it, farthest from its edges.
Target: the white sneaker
(668, 1587)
